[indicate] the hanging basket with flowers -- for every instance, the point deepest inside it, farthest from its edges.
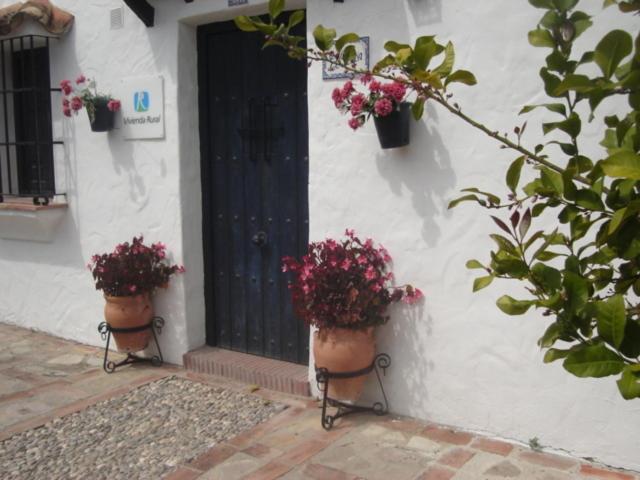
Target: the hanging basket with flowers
(343, 288)
(100, 107)
(385, 102)
(129, 276)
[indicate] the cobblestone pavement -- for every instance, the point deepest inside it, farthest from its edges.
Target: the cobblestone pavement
(49, 388)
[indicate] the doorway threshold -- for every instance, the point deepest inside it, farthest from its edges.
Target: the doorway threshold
(265, 372)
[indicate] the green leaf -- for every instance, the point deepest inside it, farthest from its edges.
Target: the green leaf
(554, 354)
(552, 180)
(551, 335)
(542, 3)
(324, 37)
(471, 264)
(504, 243)
(551, 82)
(446, 66)
(276, 7)
(295, 18)
(549, 277)
(629, 384)
(511, 306)
(565, 5)
(541, 38)
(589, 199)
(394, 47)
(464, 198)
(346, 38)
(461, 76)
(245, 24)
(513, 173)
(553, 107)
(574, 82)
(624, 164)
(593, 361)
(482, 282)
(418, 108)
(425, 49)
(577, 290)
(611, 50)
(612, 320)
(349, 54)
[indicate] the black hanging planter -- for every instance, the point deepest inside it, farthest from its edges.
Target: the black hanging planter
(393, 130)
(102, 118)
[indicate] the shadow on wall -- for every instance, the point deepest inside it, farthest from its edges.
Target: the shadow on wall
(406, 380)
(423, 168)
(425, 12)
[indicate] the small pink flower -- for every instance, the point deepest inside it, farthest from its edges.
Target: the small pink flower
(347, 89)
(113, 105)
(66, 103)
(181, 269)
(66, 111)
(355, 122)
(66, 87)
(383, 107)
(357, 103)
(362, 260)
(375, 86)
(371, 273)
(376, 287)
(337, 97)
(76, 104)
(349, 232)
(395, 90)
(413, 296)
(346, 264)
(366, 78)
(133, 288)
(81, 79)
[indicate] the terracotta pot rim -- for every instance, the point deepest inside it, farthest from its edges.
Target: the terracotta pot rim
(126, 298)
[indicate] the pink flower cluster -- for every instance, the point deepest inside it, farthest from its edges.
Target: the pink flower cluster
(345, 284)
(132, 268)
(81, 95)
(380, 100)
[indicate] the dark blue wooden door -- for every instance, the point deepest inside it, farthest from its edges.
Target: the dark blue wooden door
(254, 151)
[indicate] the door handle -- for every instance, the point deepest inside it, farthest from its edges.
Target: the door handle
(259, 239)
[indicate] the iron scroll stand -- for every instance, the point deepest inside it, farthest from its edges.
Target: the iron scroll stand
(105, 330)
(382, 361)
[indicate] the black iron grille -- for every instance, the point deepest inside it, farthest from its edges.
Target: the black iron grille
(26, 138)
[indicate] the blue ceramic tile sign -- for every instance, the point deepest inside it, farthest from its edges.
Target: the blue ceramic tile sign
(331, 72)
(234, 3)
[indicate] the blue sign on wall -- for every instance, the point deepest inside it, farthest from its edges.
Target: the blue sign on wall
(141, 101)
(233, 3)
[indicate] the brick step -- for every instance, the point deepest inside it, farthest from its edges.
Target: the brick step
(267, 373)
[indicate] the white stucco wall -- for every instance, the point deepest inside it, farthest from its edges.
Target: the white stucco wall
(456, 359)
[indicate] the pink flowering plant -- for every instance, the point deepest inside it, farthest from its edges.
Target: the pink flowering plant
(375, 99)
(84, 94)
(132, 269)
(345, 284)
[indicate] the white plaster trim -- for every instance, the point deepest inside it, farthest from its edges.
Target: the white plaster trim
(36, 224)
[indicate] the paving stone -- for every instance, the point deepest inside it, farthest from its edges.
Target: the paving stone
(437, 473)
(426, 446)
(9, 385)
(492, 446)
(67, 359)
(504, 469)
(234, 468)
(447, 435)
(592, 471)
(456, 457)
(548, 460)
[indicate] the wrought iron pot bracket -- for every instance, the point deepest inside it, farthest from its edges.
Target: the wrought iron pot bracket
(382, 361)
(105, 330)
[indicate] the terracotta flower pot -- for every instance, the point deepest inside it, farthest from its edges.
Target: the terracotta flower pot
(344, 350)
(128, 312)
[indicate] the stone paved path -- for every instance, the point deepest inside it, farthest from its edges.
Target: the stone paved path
(43, 378)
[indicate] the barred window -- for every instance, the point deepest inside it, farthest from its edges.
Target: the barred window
(26, 139)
